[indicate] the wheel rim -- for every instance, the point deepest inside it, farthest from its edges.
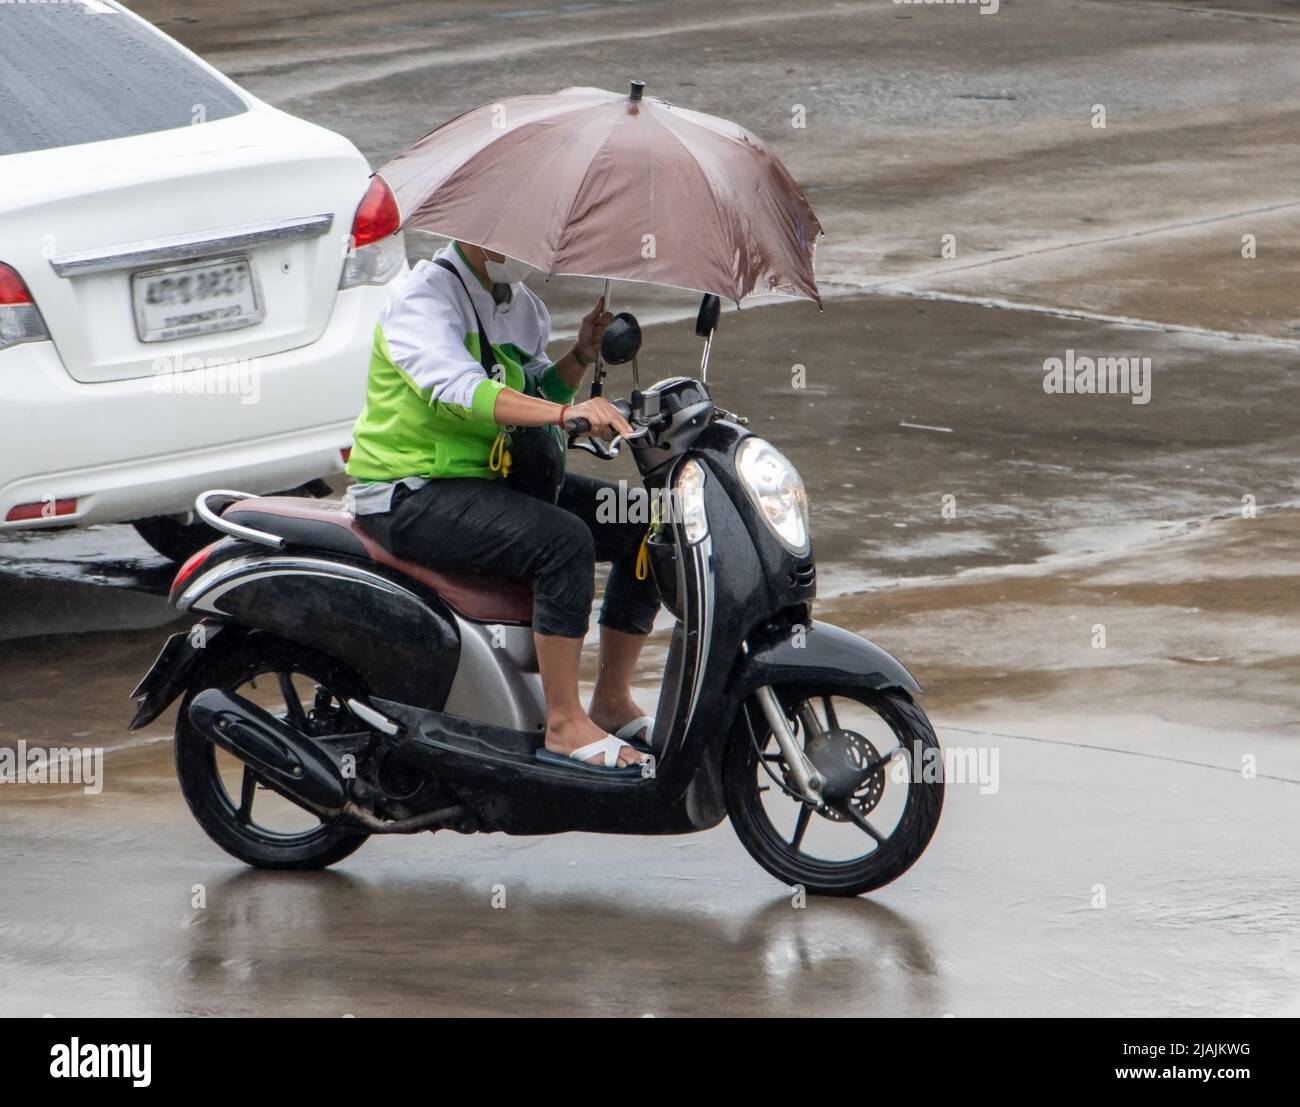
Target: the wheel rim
(862, 821)
(305, 703)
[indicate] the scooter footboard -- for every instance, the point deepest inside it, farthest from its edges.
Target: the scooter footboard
(823, 654)
(494, 772)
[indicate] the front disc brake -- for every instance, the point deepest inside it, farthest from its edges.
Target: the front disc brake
(841, 756)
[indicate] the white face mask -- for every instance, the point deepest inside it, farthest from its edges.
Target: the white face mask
(510, 271)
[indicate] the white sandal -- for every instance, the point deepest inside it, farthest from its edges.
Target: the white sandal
(610, 746)
(641, 723)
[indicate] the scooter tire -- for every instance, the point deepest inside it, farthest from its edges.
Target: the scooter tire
(909, 839)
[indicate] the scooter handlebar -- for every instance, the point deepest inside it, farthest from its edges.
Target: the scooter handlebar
(606, 451)
(580, 424)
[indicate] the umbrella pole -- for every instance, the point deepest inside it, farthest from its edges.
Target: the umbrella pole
(598, 373)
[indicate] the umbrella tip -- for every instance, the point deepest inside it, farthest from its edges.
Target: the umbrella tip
(636, 90)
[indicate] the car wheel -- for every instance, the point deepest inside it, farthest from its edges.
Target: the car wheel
(172, 538)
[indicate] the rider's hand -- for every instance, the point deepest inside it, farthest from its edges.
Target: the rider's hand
(603, 416)
(592, 331)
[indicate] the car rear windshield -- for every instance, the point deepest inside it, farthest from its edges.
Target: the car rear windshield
(82, 71)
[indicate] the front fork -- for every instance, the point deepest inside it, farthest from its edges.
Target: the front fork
(807, 781)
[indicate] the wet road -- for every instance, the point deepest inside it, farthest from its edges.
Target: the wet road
(1125, 865)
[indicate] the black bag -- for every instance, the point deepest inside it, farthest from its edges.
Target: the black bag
(537, 454)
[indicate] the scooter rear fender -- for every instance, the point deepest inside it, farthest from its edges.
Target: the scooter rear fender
(401, 640)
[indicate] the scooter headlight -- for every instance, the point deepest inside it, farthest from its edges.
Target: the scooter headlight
(689, 493)
(777, 491)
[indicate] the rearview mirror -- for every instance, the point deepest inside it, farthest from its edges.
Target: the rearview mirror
(707, 320)
(622, 339)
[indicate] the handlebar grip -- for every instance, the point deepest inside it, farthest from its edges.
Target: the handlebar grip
(577, 425)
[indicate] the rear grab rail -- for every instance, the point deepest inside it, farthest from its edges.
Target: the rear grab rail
(235, 530)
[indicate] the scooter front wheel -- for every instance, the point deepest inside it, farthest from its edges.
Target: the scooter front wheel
(883, 791)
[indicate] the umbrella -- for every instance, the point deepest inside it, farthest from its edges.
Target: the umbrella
(592, 183)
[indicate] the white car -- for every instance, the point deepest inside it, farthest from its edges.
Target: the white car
(189, 280)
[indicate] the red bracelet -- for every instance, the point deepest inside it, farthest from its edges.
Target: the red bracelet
(563, 408)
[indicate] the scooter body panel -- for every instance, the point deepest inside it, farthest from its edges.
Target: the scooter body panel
(496, 677)
(405, 645)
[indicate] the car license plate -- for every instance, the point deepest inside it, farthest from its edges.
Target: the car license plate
(196, 298)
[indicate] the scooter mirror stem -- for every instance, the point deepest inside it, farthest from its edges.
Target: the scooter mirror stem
(704, 361)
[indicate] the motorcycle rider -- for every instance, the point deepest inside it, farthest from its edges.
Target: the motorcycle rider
(427, 455)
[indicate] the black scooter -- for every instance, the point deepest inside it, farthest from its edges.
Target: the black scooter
(380, 697)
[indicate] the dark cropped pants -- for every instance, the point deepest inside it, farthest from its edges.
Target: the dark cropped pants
(463, 524)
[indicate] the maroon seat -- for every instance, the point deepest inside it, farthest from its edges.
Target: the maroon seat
(326, 525)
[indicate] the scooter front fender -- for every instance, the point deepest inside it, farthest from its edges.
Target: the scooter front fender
(827, 655)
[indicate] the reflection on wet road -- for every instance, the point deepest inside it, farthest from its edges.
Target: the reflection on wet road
(121, 906)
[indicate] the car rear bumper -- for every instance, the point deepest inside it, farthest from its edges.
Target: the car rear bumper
(168, 485)
(131, 449)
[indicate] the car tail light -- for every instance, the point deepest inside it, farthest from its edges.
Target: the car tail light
(20, 320)
(377, 215)
(42, 509)
(376, 248)
(192, 566)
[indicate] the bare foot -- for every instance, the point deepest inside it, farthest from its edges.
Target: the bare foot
(564, 735)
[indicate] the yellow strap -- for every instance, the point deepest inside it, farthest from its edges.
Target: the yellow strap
(499, 457)
(643, 557)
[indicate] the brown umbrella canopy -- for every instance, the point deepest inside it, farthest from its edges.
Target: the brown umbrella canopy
(592, 183)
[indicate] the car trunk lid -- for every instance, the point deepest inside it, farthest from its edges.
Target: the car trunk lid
(198, 246)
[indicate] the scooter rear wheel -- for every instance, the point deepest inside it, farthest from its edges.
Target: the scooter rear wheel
(874, 827)
(246, 819)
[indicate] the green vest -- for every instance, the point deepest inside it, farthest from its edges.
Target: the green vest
(404, 432)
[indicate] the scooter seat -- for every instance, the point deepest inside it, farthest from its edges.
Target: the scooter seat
(327, 525)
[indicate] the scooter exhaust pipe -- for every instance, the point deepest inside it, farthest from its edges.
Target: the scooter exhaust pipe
(285, 759)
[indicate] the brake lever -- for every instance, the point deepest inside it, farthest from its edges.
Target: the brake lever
(617, 441)
(596, 447)
(607, 451)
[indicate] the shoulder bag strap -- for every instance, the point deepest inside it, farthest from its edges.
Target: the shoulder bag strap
(484, 346)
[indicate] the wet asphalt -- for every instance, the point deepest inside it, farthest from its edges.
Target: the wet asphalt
(1137, 856)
